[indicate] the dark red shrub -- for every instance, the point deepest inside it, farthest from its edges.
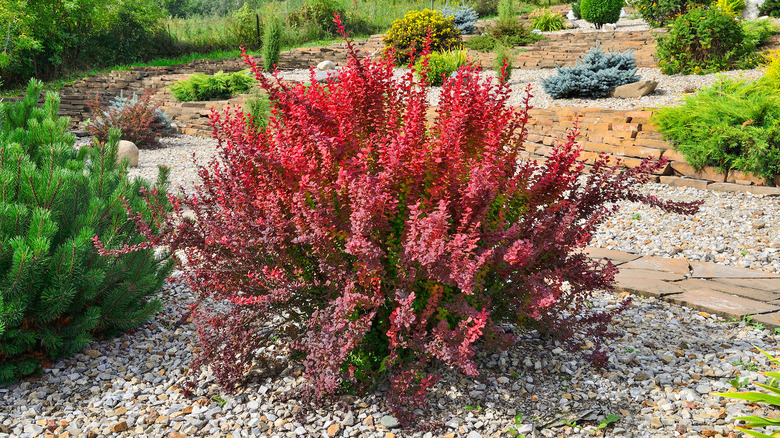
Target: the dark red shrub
(373, 242)
(139, 118)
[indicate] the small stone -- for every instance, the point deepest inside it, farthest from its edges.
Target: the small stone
(119, 427)
(94, 354)
(349, 419)
(326, 65)
(636, 89)
(333, 429)
(368, 421)
(389, 422)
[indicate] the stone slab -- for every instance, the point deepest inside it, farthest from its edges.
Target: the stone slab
(722, 304)
(647, 287)
(769, 284)
(745, 292)
(677, 266)
(617, 257)
(647, 274)
(714, 270)
(678, 181)
(739, 188)
(770, 320)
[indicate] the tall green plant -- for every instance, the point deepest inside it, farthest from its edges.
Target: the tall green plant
(507, 10)
(272, 44)
(730, 125)
(56, 289)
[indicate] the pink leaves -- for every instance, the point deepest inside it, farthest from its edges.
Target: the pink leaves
(373, 240)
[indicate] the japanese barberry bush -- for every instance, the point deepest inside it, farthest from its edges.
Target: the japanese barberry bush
(138, 119)
(594, 76)
(375, 243)
(408, 34)
(57, 292)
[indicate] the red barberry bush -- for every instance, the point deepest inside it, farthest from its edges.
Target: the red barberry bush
(377, 244)
(139, 118)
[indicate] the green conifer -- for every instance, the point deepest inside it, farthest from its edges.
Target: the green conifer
(56, 292)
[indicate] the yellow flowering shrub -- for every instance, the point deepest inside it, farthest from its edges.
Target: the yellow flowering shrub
(409, 33)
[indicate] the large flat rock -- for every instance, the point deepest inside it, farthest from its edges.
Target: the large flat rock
(723, 304)
(769, 284)
(647, 274)
(714, 270)
(677, 266)
(745, 292)
(617, 257)
(647, 287)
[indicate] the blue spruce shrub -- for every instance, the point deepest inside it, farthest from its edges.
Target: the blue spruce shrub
(594, 76)
(465, 18)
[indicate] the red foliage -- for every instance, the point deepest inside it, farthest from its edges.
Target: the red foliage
(137, 118)
(373, 241)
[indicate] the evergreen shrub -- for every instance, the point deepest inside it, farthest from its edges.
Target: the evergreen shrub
(730, 125)
(706, 40)
(465, 18)
(503, 61)
(601, 12)
(440, 65)
(57, 292)
(595, 75)
(139, 120)
(200, 87)
(575, 9)
(409, 33)
(376, 244)
(272, 44)
(770, 8)
(660, 13)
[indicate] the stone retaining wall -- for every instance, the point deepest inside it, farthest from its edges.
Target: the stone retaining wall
(625, 135)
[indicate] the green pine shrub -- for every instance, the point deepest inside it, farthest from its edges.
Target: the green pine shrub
(504, 56)
(594, 76)
(706, 40)
(507, 10)
(575, 9)
(57, 292)
(272, 44)
(730, 125)
(546, 20)
(441, 65)
(258, 110)
(601, 12)
(200, 87)
(410, 32)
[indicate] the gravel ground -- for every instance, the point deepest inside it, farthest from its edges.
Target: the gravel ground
(664, 368)
(670, 91)
(665, 365)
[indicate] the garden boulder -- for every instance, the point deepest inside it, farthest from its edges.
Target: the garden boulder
(635, 89)
(127, 149)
